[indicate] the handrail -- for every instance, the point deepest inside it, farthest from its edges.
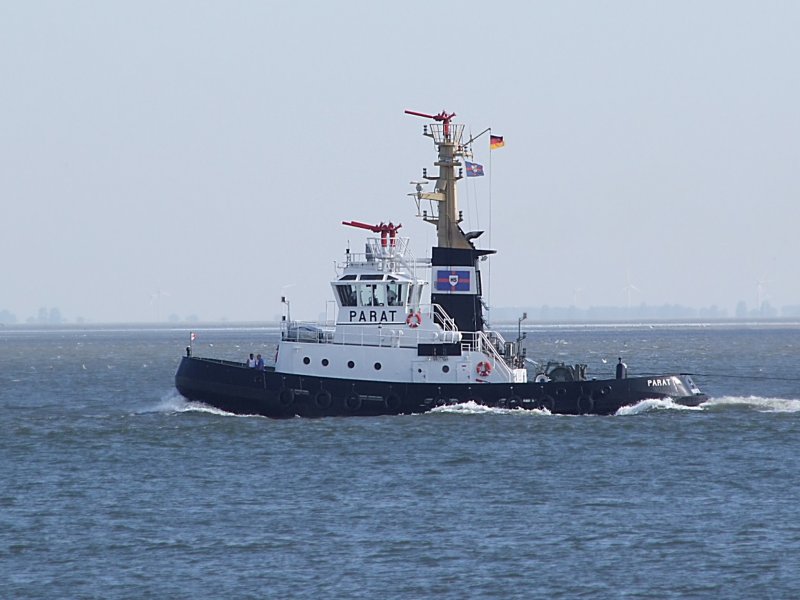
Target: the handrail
(229, 363)
(487, 347)
(481, 341)
(396, 258)
(441, 317)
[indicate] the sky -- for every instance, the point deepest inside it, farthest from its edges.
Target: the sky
(197, 158)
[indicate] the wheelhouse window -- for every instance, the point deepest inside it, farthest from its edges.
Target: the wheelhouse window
(369, 290)
(373, 294)
(395, 294)
(347, 294)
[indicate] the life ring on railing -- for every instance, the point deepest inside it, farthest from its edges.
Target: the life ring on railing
(483, 368)
(414, 319)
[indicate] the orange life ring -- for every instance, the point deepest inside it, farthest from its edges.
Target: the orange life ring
(483, 368)
(414, 320)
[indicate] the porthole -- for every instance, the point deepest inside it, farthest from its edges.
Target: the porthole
(306, 360)
(325, 362)
(445, 369)
(351, 364)
(377, 366)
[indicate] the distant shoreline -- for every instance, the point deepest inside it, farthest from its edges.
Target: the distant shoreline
(527, 325)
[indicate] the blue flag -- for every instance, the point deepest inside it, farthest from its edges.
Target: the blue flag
(452, 281)
(473, 169)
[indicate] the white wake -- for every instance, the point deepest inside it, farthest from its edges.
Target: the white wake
(173, 402)
(757, 403)
(473, 408)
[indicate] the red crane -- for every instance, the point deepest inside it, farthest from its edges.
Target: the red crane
(442, 116)
(388, 231)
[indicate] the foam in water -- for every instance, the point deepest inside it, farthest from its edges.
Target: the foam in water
(473, 408)
(653, 404)
(173, 402)
(773, 405)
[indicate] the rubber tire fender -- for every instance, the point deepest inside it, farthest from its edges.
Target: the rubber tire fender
(352, 402)
(392, 402)
(547, 402)
(585, 404)
(286, 397)
(323, 399)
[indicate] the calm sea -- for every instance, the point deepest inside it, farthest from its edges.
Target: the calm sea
(112, 486)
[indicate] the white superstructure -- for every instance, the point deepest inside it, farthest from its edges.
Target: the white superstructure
(385, 332)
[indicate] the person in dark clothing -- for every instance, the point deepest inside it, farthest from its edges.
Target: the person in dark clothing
(622, 370)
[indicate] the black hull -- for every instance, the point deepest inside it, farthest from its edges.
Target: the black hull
(235, 388)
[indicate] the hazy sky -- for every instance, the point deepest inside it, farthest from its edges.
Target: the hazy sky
(210, 150)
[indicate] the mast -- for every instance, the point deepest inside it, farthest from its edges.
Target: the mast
(447, 138)
(455, 262)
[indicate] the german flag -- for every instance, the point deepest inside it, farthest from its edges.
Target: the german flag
(496, 141)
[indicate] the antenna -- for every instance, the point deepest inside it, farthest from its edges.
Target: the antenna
(285, 300)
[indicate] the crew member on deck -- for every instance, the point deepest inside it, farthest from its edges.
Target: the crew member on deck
(259, 363)
(622, 370)
(251, 362)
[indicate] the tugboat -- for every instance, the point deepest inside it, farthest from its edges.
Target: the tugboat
(410, 334)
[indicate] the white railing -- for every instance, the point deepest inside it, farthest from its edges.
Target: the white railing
(384, 255)
(387, 334)
(398, 336)
(450, 132)
(485, 345)
(439, 315)
(358, 336)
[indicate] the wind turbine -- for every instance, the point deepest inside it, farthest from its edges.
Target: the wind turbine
(761, 294)
(575, 294)
(629, 287)
(155, 299)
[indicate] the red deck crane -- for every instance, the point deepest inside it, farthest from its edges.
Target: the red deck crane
(388, 231)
